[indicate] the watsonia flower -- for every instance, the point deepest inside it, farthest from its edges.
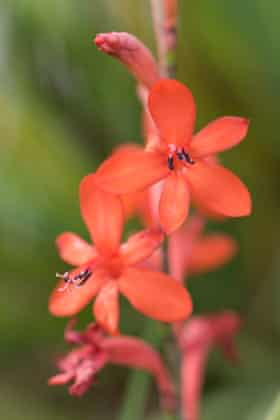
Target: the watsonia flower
(182, 159)
(110, 268)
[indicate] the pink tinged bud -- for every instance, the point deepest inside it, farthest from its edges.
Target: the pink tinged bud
(196, 339)
(86, 374)
(80, 367)
(70, 335)
(95, 350)
(61, 378)
(132, 53)
(137, 354)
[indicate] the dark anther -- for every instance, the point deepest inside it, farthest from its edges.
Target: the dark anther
(170, 162)
(78, 280)
(182, 155)
(82, 277)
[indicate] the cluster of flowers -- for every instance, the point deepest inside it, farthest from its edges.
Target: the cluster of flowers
(157, 182)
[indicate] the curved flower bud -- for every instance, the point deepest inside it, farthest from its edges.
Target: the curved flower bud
(132, 53)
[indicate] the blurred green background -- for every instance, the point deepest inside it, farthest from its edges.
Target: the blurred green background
(63, 106)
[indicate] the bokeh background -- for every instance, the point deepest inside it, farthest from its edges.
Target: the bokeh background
(63, 107)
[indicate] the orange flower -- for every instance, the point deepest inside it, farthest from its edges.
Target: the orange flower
(109, 268)
(182, 160)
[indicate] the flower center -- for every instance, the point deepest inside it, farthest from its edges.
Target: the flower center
(114, 266)
(179, 155)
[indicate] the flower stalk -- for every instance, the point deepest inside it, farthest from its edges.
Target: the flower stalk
(164, 14)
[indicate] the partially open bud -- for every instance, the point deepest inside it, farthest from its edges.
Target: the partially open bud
(132, 53)
(94, 350)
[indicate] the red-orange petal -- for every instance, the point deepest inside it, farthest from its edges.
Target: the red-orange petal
(219, 190)
(130, 169)
(130, 203)
(210, 252)
(103, 215)
(73, 299)
(106, 307)
(73, 249)
(173, 110)
(132, 200)
(156, 294)
(219, 135)
(174, 202)
(141, 246)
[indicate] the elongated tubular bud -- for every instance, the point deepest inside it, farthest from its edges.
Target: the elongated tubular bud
(132, 53)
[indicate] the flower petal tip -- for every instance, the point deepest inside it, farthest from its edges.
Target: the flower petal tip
(97, 40)
(55, 309)
(106, 42)
(246, 208)
(246, 123)
(173, 110)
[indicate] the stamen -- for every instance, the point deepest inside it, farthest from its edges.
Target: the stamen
(77, 280)
(82, 277)
(182, 155)
(170, 162)
(64, 276)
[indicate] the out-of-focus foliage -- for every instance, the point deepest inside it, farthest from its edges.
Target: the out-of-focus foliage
(64, 106)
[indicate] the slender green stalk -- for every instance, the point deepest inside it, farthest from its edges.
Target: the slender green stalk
(137, 387)
(167, 416)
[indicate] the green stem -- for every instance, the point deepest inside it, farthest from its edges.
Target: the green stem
(167, 416)
(137, 387)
